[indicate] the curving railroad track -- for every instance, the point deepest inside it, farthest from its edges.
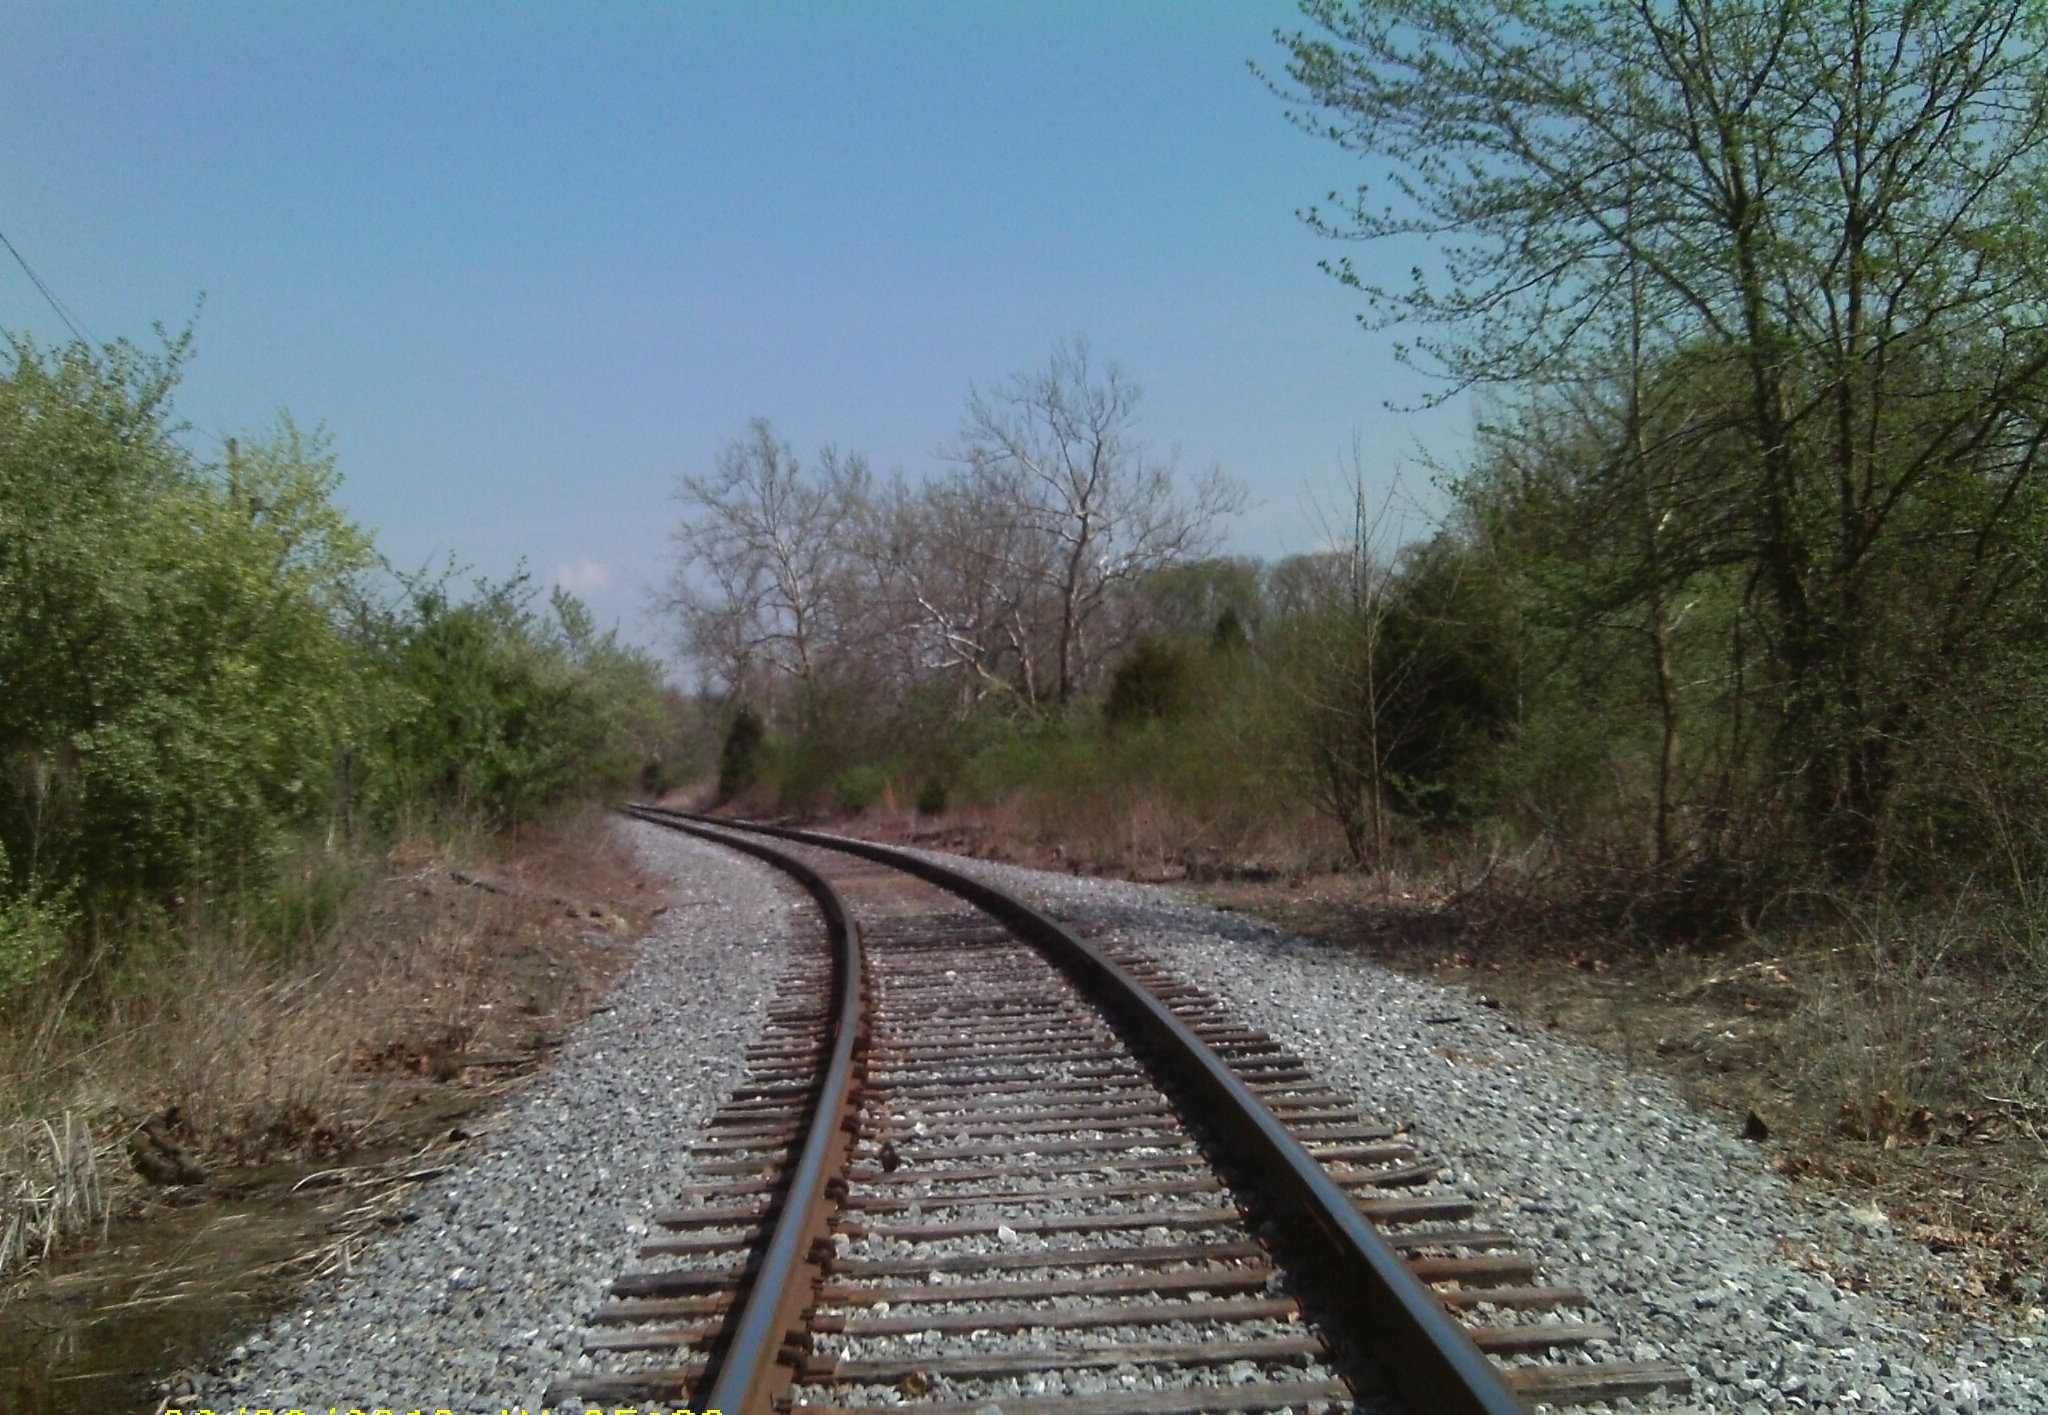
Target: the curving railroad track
(981, 1164)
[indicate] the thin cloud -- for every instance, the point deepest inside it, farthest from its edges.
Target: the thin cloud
(584, 577)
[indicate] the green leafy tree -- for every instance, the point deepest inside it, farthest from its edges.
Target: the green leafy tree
(176, 683)
(1835, 209)
(1154, 683)
(739, 764)
(505, 710)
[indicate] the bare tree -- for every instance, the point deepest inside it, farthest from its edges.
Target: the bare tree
(954, 578)
(1017, 573)
(1345, 688)
(762, 562)
(1092, 512)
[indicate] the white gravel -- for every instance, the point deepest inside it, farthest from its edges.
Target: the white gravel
(481, 1300)
(1681, 1234)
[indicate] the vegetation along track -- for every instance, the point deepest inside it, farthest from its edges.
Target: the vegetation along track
(981, 1164)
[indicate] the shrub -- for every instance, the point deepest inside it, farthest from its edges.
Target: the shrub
(739, 763)
(180, 688)
(32, 936)
(858, 788)
(1155, 682)
(932, 797)
(501, 709)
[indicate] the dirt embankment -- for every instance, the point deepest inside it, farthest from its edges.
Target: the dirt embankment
(446, 980)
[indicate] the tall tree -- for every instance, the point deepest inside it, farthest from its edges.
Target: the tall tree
(1836, 208)
(761, 554)
(1057, 449)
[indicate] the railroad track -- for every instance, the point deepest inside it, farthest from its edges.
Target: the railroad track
(980, 1164)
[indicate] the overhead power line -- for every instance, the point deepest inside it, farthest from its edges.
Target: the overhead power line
(77, 330)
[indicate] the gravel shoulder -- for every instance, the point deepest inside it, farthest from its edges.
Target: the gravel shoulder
(480, 1299)
(1681, 1233)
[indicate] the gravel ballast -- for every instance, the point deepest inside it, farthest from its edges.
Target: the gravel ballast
(482, 1299)
(1680, 1232)
(1682, 1235)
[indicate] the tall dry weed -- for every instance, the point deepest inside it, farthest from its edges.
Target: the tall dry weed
(53, 1188)
(1924, 1020)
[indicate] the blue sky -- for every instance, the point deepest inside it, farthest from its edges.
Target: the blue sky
(528, 262)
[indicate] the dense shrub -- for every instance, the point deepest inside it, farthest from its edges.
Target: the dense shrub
(502, 709)
(739, 763)
(194, 673)
(179, 686)
(859, 787)
(1153, 683)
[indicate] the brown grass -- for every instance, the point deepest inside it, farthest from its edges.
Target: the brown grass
(1137, 834)
(453, 962)
(1896, 1058)
(55, 1191)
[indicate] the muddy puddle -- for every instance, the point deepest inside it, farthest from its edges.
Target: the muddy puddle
(102, 1331)
(112, 1330)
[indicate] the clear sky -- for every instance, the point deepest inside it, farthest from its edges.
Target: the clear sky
(527, 262)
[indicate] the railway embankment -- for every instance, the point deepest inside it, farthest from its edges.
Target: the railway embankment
(1775, 1296)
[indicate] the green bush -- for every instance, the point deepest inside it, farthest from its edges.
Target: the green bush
(858, 788)
(180, 686)
(1154, 683)
(932, 797)
(194, 675)
(504, 710)
(32, 935)
(739, 762)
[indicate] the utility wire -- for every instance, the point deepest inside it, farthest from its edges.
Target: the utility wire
(77, 331)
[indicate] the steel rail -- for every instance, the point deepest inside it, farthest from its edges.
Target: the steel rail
(748, 1378)
(1384, 1307)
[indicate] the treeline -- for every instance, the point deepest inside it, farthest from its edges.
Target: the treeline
(1045, 620)
(201, 665)
(1522, 678)
(1219, 707)
(857, 629)
(1743, 593)
(1008, 579)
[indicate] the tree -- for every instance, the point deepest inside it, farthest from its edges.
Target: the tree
(1219, 601)
(1833, 211)
(1394, 665)
(954, 576)
(759, 558)
(1055, 448)
(175, 685)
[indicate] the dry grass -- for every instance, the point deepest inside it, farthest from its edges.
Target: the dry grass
(1139, 834)
(1897, 1057)
(58, 1191)
(451, 960)
(1920, 1024)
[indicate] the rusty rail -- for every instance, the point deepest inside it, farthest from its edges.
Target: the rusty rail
(1385, 1309)
(750, 1374)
